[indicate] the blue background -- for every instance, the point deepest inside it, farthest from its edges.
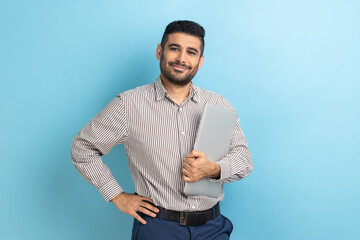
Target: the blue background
(290, 68)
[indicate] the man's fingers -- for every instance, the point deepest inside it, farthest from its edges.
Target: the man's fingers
(186, 175)
(132, 204)
(186, 163)
(150, 207)
(137, 217)
(148, 204)
(146, 199)
(185, 172)
(147, 212)
(195, 153)
(188, 179)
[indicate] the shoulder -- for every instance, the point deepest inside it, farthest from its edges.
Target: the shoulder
(120, 102)
(138, 92)
(207, 96)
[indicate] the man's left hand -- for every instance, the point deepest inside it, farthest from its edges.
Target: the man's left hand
(197, 166)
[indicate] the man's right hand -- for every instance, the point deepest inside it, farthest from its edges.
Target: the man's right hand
(132, 203)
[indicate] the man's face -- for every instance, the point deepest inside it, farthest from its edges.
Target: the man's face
(180, 58)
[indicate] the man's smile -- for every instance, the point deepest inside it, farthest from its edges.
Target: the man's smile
(179, 68)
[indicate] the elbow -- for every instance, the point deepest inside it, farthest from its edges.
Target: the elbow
(72, 154)
(248, 167)
(73, 151)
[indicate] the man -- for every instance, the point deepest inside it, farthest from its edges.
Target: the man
(157, 124)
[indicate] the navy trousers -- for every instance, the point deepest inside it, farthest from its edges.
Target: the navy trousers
(219, 228)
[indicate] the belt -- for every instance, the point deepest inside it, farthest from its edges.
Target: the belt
(189, 218)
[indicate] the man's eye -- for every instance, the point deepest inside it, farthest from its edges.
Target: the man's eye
(192, 53)
(174, 49)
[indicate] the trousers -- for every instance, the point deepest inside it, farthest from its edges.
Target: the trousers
(218, 228)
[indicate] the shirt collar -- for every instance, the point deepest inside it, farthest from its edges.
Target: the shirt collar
(161, 92)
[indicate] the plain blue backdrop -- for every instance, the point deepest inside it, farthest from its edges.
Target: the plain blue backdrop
(290, 68)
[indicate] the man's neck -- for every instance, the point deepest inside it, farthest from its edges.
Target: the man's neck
(176, 92)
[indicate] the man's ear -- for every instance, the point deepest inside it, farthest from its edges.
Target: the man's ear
(158, 51)
(201, 61)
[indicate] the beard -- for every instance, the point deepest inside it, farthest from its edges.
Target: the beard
(173, 78)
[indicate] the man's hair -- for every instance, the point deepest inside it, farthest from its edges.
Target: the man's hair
(188, 27)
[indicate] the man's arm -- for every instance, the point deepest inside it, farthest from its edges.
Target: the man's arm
(237, 163)
(107, 129)
(97, 138)
(234, 166)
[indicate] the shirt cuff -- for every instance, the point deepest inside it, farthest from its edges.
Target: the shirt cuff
(224, 172)
(110, 190)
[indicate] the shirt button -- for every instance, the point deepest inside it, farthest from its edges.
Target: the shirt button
(180, 109)
(193, 207)
(183, 133)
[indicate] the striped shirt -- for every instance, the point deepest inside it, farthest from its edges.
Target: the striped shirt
(157, 134)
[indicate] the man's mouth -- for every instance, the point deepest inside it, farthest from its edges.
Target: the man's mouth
(179, 68)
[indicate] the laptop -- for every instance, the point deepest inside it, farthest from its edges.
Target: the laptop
(213, 138)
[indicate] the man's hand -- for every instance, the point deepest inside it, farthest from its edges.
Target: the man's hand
(131, 203)
(197, 166)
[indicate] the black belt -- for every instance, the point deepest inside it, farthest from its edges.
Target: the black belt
(189, 218)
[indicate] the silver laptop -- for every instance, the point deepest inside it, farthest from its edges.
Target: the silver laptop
(213, 138)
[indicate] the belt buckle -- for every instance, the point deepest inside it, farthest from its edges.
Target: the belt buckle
(183, 218)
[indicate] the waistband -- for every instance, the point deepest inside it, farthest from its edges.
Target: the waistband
(189, 218)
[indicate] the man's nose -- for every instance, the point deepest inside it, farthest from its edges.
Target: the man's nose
(181, 57)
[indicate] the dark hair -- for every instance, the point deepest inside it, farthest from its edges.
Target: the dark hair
(188, 27)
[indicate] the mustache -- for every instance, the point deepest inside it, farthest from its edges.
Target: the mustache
(178, 64)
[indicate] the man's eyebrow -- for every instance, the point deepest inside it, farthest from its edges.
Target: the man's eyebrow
(173, 45)
(194, 49)
(177, 45)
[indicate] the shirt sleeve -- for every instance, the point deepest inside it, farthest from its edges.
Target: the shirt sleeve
(107, 129)
(237, 163)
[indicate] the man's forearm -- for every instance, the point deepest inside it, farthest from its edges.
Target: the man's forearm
(235, 165)
(87, 160)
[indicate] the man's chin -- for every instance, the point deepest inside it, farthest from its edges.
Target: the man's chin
(180, 82)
